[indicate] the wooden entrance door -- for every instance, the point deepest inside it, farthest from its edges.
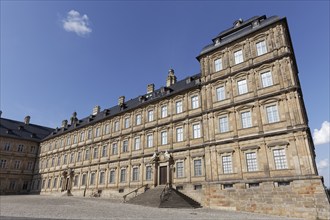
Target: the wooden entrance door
(162, 175)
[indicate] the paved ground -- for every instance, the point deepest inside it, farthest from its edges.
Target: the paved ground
(23, 207)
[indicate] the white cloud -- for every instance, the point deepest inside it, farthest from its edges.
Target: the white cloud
(323, 164)
(74, 22)
(322, 136)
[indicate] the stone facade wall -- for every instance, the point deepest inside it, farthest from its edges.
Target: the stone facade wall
(303, 198)
(18, 159)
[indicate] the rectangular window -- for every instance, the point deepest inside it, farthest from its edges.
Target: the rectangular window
(123, 175)
(75, 180)
(178, 107)
(223, 124)
(12, 185)
(163, 135)
(107, 129)
(82, 134)
(280, 159)
(102, 177)
(7, 147)
(92, 180)
(83, 179)
(65, 159)
(116, 126)
(261, 48)
(251, 162)
(87, 154)
(242, 87)
(179, 134)
(72, 158)
(55, 183)
(221, 93)
(89, 134)
(179, 169)
(25, 185)
(53, 161)
(114, 148)
(266, 79)
(30, 165)
(150, 115)
(148, 172)
(97, 132)
(137, 143)
(227, 164)
(3, 164)
(96, 153)
(272, 114)
(194, 102)
(33, 148)
(198, 167)
(48, 184)
(135, 174)
(79, 156)
(138, 119)
(112, 176)
(218, 65)
(164, 111)
(75, 139)
(127, 122)
(104, 151)
(59, 160)
(150, 140)
(125, 146)
(20, 148)
(246, 119)
(238, 55)
(17, 164)
(196, 131)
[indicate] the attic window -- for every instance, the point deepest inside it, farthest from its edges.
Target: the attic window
(188, 80)
(20, 127)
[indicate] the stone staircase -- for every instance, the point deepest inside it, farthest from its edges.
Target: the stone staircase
(170, 198)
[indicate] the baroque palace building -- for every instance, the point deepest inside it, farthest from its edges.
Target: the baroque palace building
(235, 136)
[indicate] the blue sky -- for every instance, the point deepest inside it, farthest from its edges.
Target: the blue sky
(49, 70)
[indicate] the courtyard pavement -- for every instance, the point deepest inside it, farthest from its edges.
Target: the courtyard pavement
(28, 207)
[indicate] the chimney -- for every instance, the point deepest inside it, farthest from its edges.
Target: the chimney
(27, 120)
(171, 78)
(150, 88)
(64, 123)
(121, 101)
(0, 113)
(73, 118)
(96, 110)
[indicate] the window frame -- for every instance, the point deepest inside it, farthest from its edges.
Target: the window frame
(238, 56)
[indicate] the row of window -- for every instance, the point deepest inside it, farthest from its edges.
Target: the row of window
(242, 88)
(127, 123)
(246, 122)
(20, 148)
(279, 155)
(16, 165)
(238, 56)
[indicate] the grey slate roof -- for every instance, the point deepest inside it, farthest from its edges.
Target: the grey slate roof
(159, 94)
(234, 33)
(16, 129)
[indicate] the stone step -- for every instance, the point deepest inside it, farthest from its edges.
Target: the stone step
(171, 199)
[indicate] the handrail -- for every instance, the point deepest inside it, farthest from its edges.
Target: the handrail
(164, 192)
(135, 190)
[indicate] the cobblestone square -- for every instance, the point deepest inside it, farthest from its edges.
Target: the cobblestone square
(51, 207)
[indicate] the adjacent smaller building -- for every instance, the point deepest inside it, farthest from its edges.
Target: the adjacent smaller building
(19, 147)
